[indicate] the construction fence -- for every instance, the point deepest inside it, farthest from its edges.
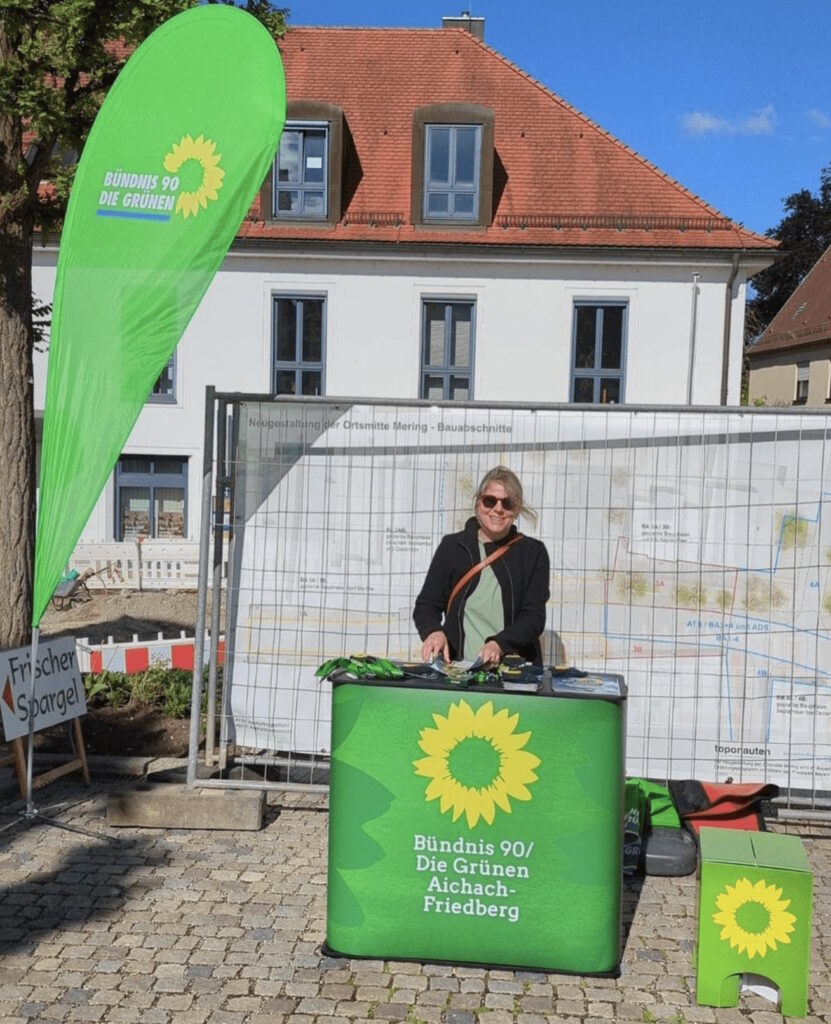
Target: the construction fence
(689, 551)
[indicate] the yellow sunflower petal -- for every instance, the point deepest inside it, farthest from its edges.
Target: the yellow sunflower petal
(500, 797)
(434, 742)
(442, 723)
(434, 790)
(522, 762)
(460, 720)
(516, 790)
(472, 812)
(432, 767)
(486, 807)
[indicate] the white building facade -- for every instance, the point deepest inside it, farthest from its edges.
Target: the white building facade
(567, 269)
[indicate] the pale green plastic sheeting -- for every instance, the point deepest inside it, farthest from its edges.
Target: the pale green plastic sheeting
(179, 148)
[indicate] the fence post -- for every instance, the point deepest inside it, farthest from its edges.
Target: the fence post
(219, 523)
(202, 591)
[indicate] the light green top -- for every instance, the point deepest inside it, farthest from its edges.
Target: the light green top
(483, 616)
(760, 849)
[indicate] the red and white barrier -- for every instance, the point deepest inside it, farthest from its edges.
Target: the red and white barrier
(139, 655)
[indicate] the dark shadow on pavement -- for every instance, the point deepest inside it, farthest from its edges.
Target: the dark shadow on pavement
(93, 878)
(632, 887)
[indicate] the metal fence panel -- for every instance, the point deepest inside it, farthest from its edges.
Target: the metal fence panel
(689, 551)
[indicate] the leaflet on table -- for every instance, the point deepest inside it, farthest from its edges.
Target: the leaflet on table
(596, 685)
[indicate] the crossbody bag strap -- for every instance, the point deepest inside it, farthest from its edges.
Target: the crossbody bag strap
(475, 569)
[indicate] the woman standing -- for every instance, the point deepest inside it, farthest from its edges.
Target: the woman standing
(487, 586)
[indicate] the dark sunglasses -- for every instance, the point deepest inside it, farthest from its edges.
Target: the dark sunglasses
(489, 501)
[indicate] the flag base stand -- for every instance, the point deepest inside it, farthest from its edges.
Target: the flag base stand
(27, 782)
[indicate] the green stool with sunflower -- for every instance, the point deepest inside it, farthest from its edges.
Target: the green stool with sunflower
(754, 916)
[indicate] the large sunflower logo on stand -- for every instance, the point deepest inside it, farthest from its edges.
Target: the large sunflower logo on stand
(754, 917)
(196, 162)
(475, 762)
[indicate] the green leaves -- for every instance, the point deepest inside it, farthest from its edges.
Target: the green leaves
(168, 689)
(58, 58)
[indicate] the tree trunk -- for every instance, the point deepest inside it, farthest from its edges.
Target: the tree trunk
(17, 419)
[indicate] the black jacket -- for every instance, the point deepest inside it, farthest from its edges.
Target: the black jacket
(523, 577)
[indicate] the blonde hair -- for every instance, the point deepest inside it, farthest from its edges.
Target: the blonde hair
(510, 481)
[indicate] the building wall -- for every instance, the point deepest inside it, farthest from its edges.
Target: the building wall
(772, 378)
(523, 334)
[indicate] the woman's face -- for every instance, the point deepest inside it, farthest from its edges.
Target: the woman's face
(497, 521)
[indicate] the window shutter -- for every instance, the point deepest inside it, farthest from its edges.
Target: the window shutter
(803, 371)
(435, 342)
(461, 341)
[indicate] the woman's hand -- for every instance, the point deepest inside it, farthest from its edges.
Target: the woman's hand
(491, 653)
(436, 643)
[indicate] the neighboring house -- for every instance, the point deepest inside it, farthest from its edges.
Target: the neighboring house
(791, 362)
(437, 224)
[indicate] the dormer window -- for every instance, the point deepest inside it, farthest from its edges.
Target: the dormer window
(452, 177)
(305, 181)
(301, 181)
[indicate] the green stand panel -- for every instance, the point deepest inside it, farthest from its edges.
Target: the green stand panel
(477, 826)
(754, 916)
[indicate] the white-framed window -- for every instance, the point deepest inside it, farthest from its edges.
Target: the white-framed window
(151, 497)
(452, 157)
(803, 374)
(598, 352)
(299, 346)
(301, 171)
(164, 390)
(447, 333)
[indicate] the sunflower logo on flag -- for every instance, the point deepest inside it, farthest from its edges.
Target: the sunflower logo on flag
(197, 163)
(754, 917)
(475, 762)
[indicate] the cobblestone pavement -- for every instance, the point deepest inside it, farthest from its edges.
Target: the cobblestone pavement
(180, 926)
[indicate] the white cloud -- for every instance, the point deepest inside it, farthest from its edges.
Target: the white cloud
(818, 119)
(700, 123)
(761, 123)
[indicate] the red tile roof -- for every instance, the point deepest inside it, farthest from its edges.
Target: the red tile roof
(568, 182)
(806, 316)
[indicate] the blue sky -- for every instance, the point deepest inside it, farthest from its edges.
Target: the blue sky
(731, 99)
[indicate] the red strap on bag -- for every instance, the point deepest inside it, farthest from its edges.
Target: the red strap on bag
(475, 569)
(722, 804)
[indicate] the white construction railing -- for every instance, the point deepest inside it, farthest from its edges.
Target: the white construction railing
(140, 565)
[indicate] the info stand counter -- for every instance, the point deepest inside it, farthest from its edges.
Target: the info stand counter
(478, 825)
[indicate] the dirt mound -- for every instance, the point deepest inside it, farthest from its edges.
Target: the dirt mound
(123, 614)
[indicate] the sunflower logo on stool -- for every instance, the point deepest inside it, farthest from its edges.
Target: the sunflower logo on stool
(753, 917)
(475, 762)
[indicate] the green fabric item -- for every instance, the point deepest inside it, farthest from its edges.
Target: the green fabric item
(483, 615)
(174, 160)
(661, 807)
(634, 818)
(646, 804)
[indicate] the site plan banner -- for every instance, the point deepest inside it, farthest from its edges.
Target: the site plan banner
(689, 552)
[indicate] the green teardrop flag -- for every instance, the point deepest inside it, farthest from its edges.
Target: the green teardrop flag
(179, 148)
